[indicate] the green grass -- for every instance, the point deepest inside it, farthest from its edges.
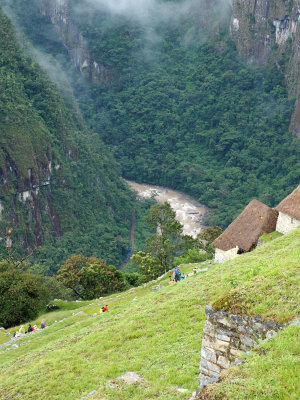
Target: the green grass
(270, 236)
(3, 338)
(158, 335)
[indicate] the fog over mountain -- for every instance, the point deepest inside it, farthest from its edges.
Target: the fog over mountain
(155, 11)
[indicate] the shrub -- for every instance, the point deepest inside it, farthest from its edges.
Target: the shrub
(22, 297)
(193, 255)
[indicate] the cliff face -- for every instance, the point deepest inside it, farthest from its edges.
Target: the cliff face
(266, 29)
(261, 29)
(56, 178)
(58, 12)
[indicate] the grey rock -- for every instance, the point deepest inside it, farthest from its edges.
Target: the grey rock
(296, 322)
(208, 354)
(270, 325)
(130, 377)
(223, 337)
(180, 390)
(237, 362)
(270, 334)
(248, 341)
(92, 393)
(223, 362)
(209, 310)
(204, 382)
(111, 385)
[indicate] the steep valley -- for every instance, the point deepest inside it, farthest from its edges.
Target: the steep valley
(202, 98)
(175, 102)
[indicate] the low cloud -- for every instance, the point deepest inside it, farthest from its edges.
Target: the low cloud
(149, 12)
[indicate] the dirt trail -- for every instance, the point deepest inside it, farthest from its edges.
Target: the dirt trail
(188, 211)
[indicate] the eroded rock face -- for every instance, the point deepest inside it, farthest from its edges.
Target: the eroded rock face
(225, 337)
(58, 12)
(259, 27)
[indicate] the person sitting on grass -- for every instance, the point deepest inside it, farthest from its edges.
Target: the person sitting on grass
(105, 308)
(43, 325)
(29, 329)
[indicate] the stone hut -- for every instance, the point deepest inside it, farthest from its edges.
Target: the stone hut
(243, 233)
(289, 212)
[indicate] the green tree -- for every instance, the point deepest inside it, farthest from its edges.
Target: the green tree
(22, 297)
(163, 244)
(205, 238)
(148, 267)
(89, 277)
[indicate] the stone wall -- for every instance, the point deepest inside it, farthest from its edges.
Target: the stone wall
(225, 337)
(222, 256)
(286, 224)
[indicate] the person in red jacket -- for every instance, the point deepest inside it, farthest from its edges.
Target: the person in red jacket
(105, 308)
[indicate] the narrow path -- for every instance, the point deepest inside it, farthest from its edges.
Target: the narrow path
(132, 230)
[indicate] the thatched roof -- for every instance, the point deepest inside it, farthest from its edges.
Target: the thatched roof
(244, 231)
(291, 204)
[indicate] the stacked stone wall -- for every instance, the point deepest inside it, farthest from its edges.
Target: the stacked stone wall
(225, 337)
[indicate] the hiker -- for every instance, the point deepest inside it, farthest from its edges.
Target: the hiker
(43, 325)
(29, 329)
(195, 270)
(105, 308)
(177, 274)
(182, 276)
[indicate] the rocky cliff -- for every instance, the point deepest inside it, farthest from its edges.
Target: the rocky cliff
(59, 13)
(56, 178)
(265, 30)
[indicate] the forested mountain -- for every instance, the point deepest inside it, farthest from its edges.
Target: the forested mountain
(60, 189)
(168, 92)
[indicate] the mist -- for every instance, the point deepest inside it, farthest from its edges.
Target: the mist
(155, 12)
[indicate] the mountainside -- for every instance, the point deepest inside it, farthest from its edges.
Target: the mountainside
(158, 335)
(268, 30)
(166, 89)
(59, 187)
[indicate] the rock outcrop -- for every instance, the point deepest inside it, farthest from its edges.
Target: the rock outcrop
(58, 12)
(266, 29)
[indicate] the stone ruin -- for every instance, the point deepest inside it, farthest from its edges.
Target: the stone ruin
(225, 337)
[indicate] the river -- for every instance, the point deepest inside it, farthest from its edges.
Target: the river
(189, 212)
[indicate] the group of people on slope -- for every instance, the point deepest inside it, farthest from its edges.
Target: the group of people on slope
(177, 276)
(30, 328)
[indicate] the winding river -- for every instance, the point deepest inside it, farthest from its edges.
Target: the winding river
(188, 211)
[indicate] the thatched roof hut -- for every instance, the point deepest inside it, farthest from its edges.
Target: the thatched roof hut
(244, 231)
(291, 204)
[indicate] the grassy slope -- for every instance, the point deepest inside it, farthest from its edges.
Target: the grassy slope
(159, 335)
